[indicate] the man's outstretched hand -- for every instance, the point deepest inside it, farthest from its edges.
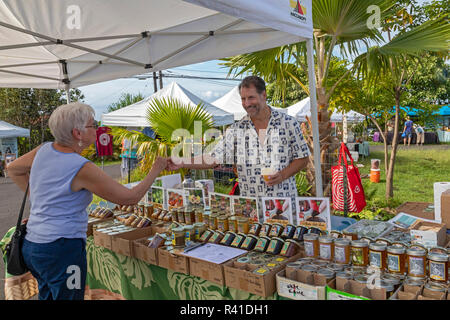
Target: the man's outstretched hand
(172, 166)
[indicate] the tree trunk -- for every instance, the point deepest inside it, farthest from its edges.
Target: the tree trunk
(390, 172)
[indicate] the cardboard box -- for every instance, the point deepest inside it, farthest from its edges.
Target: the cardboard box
(91, 223)
(102, 239)
(207, 270)
(436, 236)
(417, 209)
(445, 208)
(243, 278)
(312, 286)
(173, 260)
(357, 291)
(406, 292)
(123, 243)
(142, 252)
(427, 294)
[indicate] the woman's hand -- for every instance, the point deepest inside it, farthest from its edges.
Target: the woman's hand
(160, 164)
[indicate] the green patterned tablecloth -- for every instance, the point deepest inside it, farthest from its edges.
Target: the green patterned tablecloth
(136, 280)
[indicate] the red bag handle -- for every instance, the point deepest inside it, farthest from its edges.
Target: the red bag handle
(343, 151)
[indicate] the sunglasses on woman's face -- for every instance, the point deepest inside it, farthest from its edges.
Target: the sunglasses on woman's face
(94, 125)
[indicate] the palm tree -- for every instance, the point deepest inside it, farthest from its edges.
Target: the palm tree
(337, 25)
(165, 116)
(390, 62)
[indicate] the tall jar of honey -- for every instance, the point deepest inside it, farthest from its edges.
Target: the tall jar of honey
(417, 262)
(360, 253)
(311, 244)
(342, 251)
(396, 259)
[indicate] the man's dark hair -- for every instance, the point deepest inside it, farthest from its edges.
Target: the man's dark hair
(254, 81)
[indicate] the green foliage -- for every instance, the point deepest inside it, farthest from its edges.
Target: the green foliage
(303, 186)
(125, 100)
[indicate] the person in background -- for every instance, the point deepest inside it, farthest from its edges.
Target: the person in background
(407, 131)
(61, 184)
(420, 134)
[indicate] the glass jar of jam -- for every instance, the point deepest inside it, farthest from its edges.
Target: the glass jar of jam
(189, 232)
(222, 223)
(275, 245)
(255, 228)
(141, 206)
(277, 229)
(242, 224)
(156, 213)
(417, 262)
(326, 248)
(265, 229)
(378, 255)
(249, 242)
(360, 253)
(206, 218)
(216, 237)
(327, 273)
(396, 259)
(148, 210)
(342, 251)
(238, 242)
(180, 215)
(288, 232)
(311, 243)
(228, 238)
(389, 287)
(198, 215)
(232, 224)
(199, 228)
(136, 221)
(290, 248)
(315, 231)
(206, 235)
(213, 220)
(262, 244)
(178, 237)
(436, 287)
(300, 231)
(438, 267)
(189, 216)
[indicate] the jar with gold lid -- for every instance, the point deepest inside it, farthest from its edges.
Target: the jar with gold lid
(378, 255)
(222, 223)
(326, 248)
(396, 259)
(342, 251)
(242, 224)
(417, 262)
(232, 224)
(360, 253)
(438, 267)
(311, 244)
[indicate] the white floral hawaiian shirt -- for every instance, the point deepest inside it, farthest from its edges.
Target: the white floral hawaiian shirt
(284, 142)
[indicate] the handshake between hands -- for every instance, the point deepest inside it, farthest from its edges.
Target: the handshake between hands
(168, 164)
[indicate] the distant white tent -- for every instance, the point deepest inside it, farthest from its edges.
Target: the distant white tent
(135, 115)
(8, 130)
(302, 109)
(231, 102)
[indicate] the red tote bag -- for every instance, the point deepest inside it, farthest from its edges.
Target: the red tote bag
(356, 200)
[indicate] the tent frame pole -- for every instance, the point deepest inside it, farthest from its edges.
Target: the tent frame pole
(314, 117)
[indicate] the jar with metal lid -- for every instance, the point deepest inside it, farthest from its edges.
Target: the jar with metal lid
(180, 215)
(392, 278)
(291, 270)
(249, 242)
(206, 235)
(336, 267)
(228, 238)
(290, 248)
(189, 216)
(198, 215)
(438, 267)
(156, 213)
(414, 282)
(288, 232)
(311, 243)
(232, 224)
(300, 231)
(261, 271)
(255, 228)
(320, 263)
(327, 273)
(206, 219)
(342, 251)
(383, 240)
(199, 228)
(190, 232)
(396, 259)
(367, 239)
(350, 235)
(360, 253)
(362, 278)
(309, 268)
(136, 222)
(275, 245)
(417, 262)
(265, 229)
(238, 241)
(439, 250)
(216, 237)
(141, 209)
(436, 287)
(336, 234)
(315, 230)
(277, 229)
(148, 210)
(242, 224)
(344, 275)
(326, 248)
(378, 255)
(262, 244)
(178, 237)
(389, 287)
(222, 223)
(213, 220)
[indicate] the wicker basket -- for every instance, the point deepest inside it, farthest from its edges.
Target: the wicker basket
(21, 287)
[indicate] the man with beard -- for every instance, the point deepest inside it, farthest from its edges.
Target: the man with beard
(264, 138)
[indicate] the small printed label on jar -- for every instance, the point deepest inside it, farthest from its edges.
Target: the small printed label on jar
(375, 259)
(416, 266)
(325, 251)
(339, 254)
(309, 249)
(437, 271)
(285, 248)
(393, 262)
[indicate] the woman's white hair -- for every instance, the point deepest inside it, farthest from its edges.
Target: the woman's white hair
(67, 117)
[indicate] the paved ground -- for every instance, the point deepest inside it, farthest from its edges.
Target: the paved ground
(10, 201)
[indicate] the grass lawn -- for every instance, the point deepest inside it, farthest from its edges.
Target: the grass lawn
(107, 162)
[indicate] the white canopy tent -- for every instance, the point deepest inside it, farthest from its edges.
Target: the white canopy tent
(302, 109)
(231, 102)
(71, 43)
(8, 130)
(134, 115)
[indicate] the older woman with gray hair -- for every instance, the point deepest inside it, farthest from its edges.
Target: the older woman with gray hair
(61, 184)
